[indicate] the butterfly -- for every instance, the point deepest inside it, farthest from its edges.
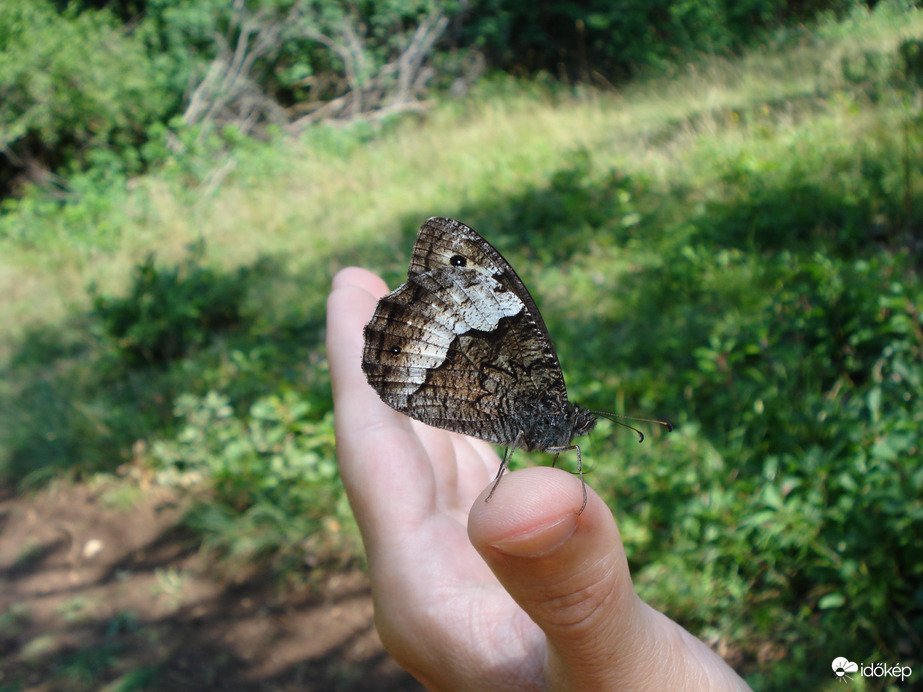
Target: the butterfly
(462, 346)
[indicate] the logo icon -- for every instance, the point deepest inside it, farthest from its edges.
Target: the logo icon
(841, 666)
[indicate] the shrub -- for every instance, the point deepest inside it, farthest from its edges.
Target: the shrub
(270, 471)
(170, 310)
(72, 87)
(585, 40)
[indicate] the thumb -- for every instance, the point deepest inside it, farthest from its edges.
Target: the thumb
(569, 573)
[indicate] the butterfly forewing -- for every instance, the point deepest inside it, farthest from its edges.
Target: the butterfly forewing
(445, 242)
(461, 345)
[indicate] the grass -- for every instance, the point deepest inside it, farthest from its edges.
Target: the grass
(286, 200)
(735, 244)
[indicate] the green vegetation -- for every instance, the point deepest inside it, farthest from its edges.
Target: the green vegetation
(735, 244)
(89, 96)
(170, 311)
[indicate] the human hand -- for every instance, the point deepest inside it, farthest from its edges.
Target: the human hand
(520, 593)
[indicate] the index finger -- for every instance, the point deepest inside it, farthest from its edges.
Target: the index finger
(378, 451)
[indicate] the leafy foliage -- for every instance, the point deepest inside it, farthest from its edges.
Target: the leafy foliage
(81, 92)
(168, 311)
(271, 472)
(587, 41)
(75, 92)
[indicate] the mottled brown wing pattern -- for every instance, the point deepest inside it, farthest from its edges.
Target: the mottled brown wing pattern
(461, 346)
(440, 240)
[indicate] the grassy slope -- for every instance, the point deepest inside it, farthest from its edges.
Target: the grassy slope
(486, 147)
(658, 226)
(300, 201)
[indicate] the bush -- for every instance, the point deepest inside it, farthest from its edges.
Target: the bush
(168, 311)
(271, 475)
(72, 87)
(585, 40)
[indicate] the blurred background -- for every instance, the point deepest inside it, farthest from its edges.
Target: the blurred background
(717, 205)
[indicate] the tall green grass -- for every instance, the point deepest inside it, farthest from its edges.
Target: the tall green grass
(736, 245)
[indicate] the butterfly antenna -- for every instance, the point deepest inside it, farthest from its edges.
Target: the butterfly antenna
(614, 417)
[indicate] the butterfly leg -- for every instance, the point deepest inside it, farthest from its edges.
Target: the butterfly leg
(507, 455)
(576, 448)
(582, 482)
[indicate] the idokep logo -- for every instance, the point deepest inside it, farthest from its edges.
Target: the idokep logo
(843, 666)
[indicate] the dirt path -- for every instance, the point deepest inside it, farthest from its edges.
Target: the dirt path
(98, 598)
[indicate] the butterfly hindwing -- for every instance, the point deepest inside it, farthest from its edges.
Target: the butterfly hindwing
(462, 346)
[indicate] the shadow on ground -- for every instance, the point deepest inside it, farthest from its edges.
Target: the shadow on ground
(93, 596)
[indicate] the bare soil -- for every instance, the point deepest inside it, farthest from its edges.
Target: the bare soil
(94, 597)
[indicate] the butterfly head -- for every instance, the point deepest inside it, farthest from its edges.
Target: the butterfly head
(584, 421)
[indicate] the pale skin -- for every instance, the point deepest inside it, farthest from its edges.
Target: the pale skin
(520, 593)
